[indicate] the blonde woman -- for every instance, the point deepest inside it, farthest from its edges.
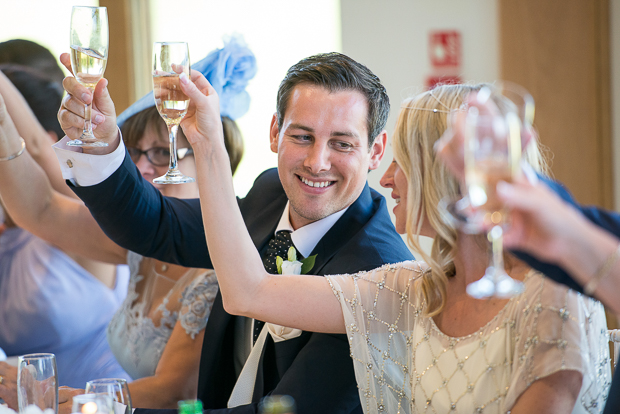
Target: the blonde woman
(419, 342)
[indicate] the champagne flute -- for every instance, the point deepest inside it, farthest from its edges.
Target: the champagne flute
(492, 154)
(89, 56)
(92, 404)
(170, 59)
(116, 388)
(37, 382)
(502, 97)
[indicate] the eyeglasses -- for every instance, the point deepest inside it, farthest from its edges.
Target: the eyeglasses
(158, 156)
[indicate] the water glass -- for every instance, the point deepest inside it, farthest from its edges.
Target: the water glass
(115, 388)
(37, 382)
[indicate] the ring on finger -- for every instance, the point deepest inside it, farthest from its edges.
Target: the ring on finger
(1, 380)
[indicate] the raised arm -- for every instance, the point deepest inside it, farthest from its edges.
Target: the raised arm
(296, 301)
(551, 229)
(128, 208)
(37, 207)
(37, 140)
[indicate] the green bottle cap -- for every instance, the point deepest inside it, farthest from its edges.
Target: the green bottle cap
(190, 407)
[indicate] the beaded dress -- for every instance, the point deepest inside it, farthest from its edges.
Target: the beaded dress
(138, 336)
(405, 364)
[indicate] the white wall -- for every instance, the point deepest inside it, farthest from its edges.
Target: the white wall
(391, 38)
(41, 21)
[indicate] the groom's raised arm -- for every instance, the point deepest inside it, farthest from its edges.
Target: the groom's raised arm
(135, 215)
(129, 209)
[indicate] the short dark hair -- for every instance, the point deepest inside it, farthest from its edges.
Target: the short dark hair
(31, 54)
(42, 94)
(338, 72)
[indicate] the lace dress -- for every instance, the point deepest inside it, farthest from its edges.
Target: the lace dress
(405, 364)
(138, 340)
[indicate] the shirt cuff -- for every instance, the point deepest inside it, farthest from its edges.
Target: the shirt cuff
(84, 170)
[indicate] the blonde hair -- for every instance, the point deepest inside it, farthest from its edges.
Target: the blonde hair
(421, 122)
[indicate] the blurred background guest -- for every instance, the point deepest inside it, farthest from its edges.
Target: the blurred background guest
(51, 301)
(31, 54)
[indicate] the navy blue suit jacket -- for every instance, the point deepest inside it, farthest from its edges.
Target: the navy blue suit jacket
(607, 220)
(316, 369)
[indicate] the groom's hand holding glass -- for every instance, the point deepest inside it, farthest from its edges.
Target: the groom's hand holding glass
(71, 113)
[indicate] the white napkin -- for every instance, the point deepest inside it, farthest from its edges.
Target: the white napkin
(119, 408)
(31, 409)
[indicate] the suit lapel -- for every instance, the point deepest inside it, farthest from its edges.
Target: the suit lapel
(351, 222)
(262, 224)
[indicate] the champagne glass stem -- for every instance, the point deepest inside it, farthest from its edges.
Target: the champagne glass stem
(497, 249)
(88, 126)
(172, 133)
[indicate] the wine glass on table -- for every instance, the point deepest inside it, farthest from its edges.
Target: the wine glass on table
(170, 59)
(89, 56)
(492, 154)
(37, 382)
(115, 388)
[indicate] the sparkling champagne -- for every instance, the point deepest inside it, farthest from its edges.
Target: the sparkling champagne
(170, 100)
(88, 65)
(482, 178)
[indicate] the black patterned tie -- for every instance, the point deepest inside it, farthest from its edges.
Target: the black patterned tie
(278, 246)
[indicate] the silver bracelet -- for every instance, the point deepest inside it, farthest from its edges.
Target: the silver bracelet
(17, 154)
(602, 272)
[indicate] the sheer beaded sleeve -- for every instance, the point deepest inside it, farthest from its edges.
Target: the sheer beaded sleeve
(196, 302)
(378, 308)
(560, 330)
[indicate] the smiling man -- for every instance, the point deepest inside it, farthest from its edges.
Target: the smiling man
(323, 150)
(328, 133)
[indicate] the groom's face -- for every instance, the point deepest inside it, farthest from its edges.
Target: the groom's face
(323, 153)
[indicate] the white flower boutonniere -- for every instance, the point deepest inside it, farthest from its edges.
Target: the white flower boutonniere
(292, 266)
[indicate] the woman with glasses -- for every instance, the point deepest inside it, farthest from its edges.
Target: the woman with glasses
(157, 333)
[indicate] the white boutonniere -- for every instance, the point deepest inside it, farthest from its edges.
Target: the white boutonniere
(292, 266)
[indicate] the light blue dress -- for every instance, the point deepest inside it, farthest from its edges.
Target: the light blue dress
(48, 303)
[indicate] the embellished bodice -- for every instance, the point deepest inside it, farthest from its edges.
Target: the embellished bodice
(405, 364)
(138, 333)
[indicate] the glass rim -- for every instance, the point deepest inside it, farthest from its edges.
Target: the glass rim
(40, 355)
(106, 381)
(169, 43)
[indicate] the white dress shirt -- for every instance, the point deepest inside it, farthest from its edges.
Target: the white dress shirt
(84, 170)
(307, 237)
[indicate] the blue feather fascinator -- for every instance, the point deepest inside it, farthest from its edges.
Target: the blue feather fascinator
(228, 69)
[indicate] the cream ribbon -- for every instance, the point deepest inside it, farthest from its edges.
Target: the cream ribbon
(244, 388)
(281, 333)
